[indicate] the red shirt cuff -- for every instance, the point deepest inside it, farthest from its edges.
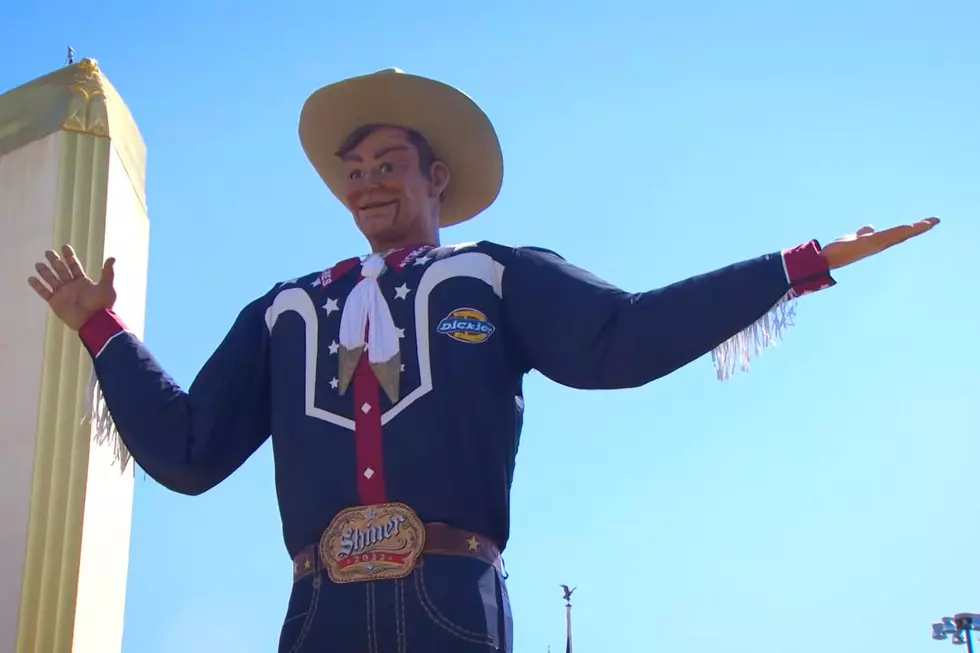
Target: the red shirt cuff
(99, 330)
(806, 269)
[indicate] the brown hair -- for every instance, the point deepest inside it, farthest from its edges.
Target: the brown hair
(426, 156)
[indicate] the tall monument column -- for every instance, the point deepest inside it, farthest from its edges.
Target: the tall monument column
(72, 166)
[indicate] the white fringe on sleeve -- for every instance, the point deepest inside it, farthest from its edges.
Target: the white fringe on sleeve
(762, 334)
(104, 430)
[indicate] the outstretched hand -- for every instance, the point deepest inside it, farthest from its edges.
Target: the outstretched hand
(867, 242)
(72, 296)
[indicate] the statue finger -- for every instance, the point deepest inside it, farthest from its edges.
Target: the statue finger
(39, 288)
(48, 276)
(895, 235)
(58, 265)
(68, 254)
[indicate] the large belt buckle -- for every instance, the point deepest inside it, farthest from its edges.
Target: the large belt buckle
(377, 542)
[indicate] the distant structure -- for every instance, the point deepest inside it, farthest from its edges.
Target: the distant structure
(958, 629)
(568, 617)
(71, 56)
(71, 171)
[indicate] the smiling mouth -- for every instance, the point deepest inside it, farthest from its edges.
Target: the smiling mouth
(376, 205)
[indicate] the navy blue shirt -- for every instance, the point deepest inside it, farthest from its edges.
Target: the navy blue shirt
(471, 321)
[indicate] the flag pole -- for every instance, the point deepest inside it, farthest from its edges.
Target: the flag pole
(568, 617)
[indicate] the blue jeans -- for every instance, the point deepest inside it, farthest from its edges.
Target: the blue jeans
(449, 604)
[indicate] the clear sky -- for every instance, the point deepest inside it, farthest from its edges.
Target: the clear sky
(825, 501)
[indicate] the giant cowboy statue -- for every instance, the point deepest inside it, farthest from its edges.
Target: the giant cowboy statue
(393, 478)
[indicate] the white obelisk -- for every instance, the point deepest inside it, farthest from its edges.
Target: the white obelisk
(71, 171)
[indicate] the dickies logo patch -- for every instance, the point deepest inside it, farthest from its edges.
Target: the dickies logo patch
(466, 325)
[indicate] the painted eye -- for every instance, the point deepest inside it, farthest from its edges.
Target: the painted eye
(354, 175)
(386, 168)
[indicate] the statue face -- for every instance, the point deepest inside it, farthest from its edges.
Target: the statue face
(390, 196)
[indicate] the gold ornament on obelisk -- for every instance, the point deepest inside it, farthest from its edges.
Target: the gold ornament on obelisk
(87, 112)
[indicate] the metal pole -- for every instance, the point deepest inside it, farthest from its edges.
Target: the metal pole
(568, 627)
(568, 617)
(965, 623)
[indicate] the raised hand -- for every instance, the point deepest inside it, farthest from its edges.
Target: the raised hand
(72, 296)
(867, 242)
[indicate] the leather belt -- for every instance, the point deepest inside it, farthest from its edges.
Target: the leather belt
(440, 539)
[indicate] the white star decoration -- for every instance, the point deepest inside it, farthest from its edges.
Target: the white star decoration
(401, 332)
(401, 368)
(286, 283)
(334, 382)
(334, 347)
(331, 306)
(401, 292)
(422, 260)
(316, 282)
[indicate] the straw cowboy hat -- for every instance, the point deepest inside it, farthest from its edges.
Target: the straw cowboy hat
(457, 129)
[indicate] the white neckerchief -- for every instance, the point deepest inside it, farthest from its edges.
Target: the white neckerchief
(367, 307)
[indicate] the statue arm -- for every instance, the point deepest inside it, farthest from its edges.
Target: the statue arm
(583, 332)
(187, 441)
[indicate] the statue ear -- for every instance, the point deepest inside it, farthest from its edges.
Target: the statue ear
(438, 178)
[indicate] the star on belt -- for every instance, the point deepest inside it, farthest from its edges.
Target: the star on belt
(366, 320)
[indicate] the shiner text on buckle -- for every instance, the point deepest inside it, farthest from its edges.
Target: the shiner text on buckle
(372, 543)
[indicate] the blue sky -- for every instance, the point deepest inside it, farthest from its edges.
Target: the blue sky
(821, 502)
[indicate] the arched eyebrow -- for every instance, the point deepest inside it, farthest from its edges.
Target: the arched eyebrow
(350, 157)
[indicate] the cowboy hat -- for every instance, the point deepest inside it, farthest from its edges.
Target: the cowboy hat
(459, 132)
